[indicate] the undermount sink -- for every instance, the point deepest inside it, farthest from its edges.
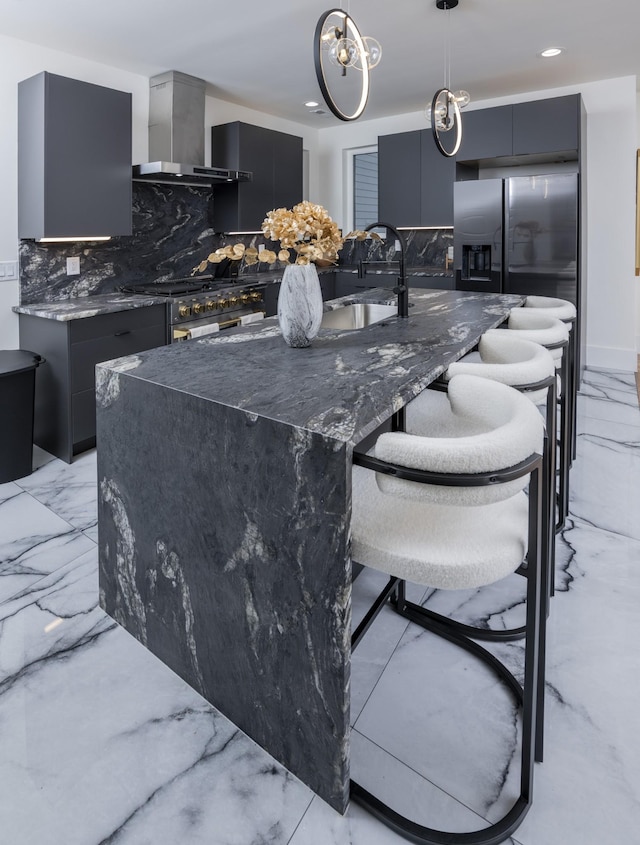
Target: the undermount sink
(357, 315)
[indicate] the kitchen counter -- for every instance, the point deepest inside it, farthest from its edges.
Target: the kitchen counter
(88, 306)
(432, 271)
(224, 469)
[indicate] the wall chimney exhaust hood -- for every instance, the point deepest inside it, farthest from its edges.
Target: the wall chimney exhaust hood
(176, 135)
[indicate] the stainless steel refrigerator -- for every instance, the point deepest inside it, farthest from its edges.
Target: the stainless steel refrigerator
(518, 235)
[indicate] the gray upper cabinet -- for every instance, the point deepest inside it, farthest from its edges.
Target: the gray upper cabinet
(399, 178)
(437, 175)
(547, 126)
(74, 159)
(539, 127)
(274, 158)
(486, 133)
(415, 181)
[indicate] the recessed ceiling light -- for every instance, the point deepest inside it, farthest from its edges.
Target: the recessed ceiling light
(311, 104)
(551, 51)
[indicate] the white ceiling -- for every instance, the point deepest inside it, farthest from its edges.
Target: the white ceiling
(260, 54)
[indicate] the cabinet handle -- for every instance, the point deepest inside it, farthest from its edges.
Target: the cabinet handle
(119, 334)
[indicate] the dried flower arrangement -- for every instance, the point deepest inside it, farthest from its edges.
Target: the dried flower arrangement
(306, 233)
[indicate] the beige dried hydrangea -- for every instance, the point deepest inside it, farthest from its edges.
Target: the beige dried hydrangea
(306, 230)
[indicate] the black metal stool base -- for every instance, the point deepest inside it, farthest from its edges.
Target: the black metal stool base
(421, 835)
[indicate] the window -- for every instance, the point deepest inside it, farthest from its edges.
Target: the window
(365, 189)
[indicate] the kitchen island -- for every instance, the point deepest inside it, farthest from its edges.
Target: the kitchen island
(224, 473)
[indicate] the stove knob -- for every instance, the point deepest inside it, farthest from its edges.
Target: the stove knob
(256, 296)
(184, 311)
(245, 298)
(211, 305)
(233, 300)
(223, 303)
(199, 308)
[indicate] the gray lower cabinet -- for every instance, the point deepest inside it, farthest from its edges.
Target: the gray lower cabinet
(65, 404)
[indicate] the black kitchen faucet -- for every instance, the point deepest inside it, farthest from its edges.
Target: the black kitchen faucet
(402, 288)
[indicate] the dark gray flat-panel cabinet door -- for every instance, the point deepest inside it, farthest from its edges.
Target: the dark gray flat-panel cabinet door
(486, 133)
(287, 171)
(274, 159)
(546, 126)
(437, 176)
(74, 161)
(399, 180)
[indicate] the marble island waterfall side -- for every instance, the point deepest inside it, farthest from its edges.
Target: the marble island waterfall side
(224, 509)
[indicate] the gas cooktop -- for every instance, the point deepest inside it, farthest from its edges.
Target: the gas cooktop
(179, 287)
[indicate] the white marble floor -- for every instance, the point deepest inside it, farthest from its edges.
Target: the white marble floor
(100, 743)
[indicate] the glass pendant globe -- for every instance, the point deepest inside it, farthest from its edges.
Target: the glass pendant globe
(372, 53)
(343, 52)
(462, 98)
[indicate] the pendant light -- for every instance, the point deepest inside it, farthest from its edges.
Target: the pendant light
(338, 45)
(444, 110)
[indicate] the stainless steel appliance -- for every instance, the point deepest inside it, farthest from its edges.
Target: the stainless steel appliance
(518, 235)
(200, 306)
(176, 135)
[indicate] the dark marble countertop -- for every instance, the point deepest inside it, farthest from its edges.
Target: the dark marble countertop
(224, 509)
(341, 387)
(88, 306)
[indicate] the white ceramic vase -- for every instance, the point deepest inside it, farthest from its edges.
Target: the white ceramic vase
(300, 304)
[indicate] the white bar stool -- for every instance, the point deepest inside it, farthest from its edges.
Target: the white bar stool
(524, 365)
(535, 325)
(452, 513)
(564, 310)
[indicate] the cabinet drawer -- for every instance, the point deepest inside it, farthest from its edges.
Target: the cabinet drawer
(103, 325)
(85, 355)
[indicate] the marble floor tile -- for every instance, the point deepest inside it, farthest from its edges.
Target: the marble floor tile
(34, 541)
(609, 395)
(377, 646)
(69, 490)
(605, 477)
(409, 793)
(101, 743)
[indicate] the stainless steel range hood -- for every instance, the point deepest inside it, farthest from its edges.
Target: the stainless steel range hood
(176, 135)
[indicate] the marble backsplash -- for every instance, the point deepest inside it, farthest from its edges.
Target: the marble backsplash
(171, 235)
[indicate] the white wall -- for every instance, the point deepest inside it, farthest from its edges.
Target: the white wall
(613, 314)
(20, 60)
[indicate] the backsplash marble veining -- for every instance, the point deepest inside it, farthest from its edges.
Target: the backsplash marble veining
(171, 235)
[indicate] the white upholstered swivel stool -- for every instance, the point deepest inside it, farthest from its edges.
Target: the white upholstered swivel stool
(500, 357)
(522, 364)
(450, 512)
(536, 325)
(564, 310)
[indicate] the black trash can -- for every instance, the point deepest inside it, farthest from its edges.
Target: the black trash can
(17, 392)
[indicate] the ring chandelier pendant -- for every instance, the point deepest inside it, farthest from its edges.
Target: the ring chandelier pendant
(338, 42)
(444, 112)
(445, 117)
